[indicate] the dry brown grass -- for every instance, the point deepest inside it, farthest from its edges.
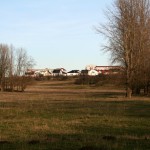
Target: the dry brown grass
(60, 112)
(67, 90)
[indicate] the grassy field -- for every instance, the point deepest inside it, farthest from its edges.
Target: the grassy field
(60, 115)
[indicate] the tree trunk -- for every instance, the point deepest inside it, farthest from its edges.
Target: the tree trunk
(129, 92)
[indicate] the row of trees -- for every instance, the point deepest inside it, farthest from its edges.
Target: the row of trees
(128, 34)
(13, 64)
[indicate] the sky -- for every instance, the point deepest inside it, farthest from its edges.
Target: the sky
(56, 33)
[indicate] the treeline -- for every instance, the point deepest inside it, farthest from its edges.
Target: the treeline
(13, 64)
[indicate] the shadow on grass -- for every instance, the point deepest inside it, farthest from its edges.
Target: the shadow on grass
(77, 142)
(139, 109)
(107, 94)
(51, 144)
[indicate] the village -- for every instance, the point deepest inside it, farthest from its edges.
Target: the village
(90, 70)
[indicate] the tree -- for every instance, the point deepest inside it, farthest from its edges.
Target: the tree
(4, 64)
(23, 62)
(128, 35)
(12, 68)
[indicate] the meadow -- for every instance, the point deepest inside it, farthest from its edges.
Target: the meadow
(61, 115)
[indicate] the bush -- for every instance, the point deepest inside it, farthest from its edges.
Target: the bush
(115, 79)
(16, 83)
(85, 79)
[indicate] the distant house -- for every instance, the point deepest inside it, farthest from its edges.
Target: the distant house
(84, 72)
(38, 72)
(92, 73)
(29, 73)
(89, 72)
(73, 73)
(108, 69)
(59, 72)
(46, 72)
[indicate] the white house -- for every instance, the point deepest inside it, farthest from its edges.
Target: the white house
(38, 72)
(46, 73)
(73, 73)
(92, 73)
(89, 72)
(59, 72)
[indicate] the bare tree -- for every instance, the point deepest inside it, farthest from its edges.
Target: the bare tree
(12, 68)
(23, 61)
(128, 37)
(4, 64)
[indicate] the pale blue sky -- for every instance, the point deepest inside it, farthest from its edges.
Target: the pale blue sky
(56, 33)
